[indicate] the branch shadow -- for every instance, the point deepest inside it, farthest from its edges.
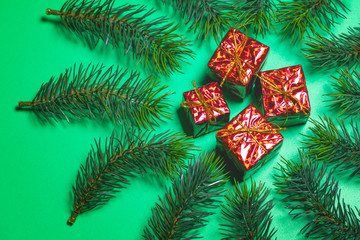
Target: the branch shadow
(232, 171)
(39, 120)
(68, 35)
(185, 125)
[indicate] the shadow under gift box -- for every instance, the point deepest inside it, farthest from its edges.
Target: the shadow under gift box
(236, 61)
(195, 111)
(284, 96)
(249, 139)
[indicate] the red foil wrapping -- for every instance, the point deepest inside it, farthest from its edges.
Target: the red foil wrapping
(251, 55)
(247, 148)
(288, 102)
(197, 114)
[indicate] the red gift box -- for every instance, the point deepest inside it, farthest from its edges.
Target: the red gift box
(248, 138)
(285, 98)
(237, 60)
(206, 108)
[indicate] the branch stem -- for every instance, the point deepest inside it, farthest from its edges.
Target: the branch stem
(26, 104)
(78, 93)
(92, 186)
(72, 218)
(53, 12)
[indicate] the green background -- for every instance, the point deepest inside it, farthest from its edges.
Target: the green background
(39, 162)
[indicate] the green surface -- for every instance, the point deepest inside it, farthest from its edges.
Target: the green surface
(39, 162)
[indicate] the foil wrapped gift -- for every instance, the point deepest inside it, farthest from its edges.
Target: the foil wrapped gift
(206, 109)
(284, 95)
(248, 139)
(236, 61)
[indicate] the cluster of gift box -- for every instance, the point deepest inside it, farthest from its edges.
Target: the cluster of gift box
(251, 136)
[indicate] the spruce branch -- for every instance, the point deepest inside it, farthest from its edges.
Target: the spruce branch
(247, 213)
(331, 145)
(313, 193)
(206, 17)
(346, 99)
(334, 52)
(109, 169)
(258, 14)
(305, 16)
(187, 204)
(150, 40)
(94, 91)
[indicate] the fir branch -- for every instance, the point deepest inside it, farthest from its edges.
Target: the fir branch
(258, 14)
(300, 17)
(184, 207)
(149, 39)
(95, 92)
(107, 170)
(346, 99)
(207, 17)
(339, 147)
(334, 52)
(247, 213)
(313, 193)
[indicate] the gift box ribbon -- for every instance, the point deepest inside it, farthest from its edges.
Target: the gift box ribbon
(236, 56)
(259, 128)
(279, 90)
(209, 110)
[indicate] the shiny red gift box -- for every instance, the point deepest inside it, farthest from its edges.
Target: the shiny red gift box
(285, 98)
(236, 61)
(208, 98)
(249, 138)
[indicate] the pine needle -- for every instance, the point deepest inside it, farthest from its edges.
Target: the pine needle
(338, 147)
(206, 17)
(313, 193)
(334, 52)
(149, 40)
(94, 92)
(305, 16)
(109, 169)
(256, 14)
(185, 206)
(346, 99)
(247, 213)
